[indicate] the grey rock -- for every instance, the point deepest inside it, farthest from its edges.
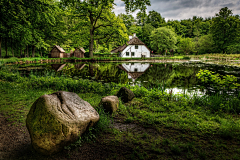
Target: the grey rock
(125, 94)
(110, 103)
(57, 120)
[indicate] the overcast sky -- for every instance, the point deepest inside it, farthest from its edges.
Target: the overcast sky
(184, 9)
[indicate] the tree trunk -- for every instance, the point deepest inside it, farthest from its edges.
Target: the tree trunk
(41, 52)
(0, 47)
(21, 52)
(12, 49)
(91, 44)
(6, 47)
(27, 52)
(33, 51)
(91, 70)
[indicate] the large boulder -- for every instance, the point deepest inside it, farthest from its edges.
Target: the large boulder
(125, 94)
(57, 120)
(110, 103)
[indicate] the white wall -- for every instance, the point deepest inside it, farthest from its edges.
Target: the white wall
(142, 50)
(136, 67)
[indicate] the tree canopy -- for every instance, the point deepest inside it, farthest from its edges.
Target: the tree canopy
(162, 39)
(28, 28)
(225, 29)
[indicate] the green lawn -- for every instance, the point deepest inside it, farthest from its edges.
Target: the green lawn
(166, 129)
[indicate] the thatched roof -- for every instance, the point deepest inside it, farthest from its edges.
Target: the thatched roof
(135, 75)
(122, 68)
(134, 41)
(59, 48)
(81, 49)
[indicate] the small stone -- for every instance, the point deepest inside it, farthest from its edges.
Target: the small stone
(57, 120)
(110, 103)
(125, 94)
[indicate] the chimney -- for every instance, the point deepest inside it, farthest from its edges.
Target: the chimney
(134, 35)
(130, 37)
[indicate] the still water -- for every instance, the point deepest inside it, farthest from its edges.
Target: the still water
(170, 77)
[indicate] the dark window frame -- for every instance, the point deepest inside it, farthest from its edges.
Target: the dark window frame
(127, 53)
(132, 53)
(136, 46)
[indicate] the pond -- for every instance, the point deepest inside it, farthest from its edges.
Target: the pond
(170, 77)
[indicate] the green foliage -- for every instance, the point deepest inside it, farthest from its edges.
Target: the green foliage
(155, 19)
(186, 45)
(208, 78)
(162, 39)
(235, 48)
(205, 44)
(225, 29)
(128, 19)
(97, 22)
(222, 99)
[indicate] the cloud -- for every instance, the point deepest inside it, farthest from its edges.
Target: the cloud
(185, 9)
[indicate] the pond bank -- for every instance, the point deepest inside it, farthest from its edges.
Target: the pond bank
(71, 60)
(155, 125)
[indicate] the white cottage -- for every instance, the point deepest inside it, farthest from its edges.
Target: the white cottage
(135, 48)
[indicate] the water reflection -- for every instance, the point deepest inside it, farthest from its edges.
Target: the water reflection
(58, 67)
(169, 77)
(134, 70)
(189, 92)
(79, 66)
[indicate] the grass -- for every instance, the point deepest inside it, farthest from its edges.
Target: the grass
(166, 127)
(37, 59)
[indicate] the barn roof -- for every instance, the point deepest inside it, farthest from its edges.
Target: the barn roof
(81, 49)
(59, 48)
(134, 41)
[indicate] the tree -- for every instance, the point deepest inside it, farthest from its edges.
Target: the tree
(225, 29)
(188, 32)
(178, 27)
(137, 30)
(128, 19)
(146, 32)
(155, 19)
(186, 45)
(25, 22)
(162, 39)
(206, 44)
(234, 49)
(141, 18)
(97, 14)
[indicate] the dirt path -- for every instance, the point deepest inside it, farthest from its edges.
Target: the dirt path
(15, 144)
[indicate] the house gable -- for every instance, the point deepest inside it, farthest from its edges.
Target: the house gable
(130, 47)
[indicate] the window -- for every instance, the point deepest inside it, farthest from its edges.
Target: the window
(132, 53)
(135, 69)
(127, 53)
(136, 46)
